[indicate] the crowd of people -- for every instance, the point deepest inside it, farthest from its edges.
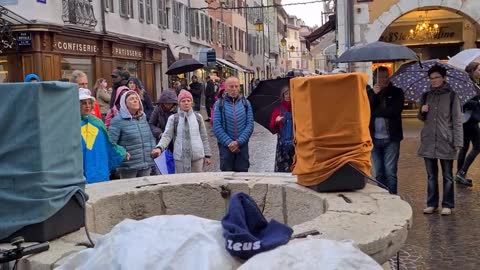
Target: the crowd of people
(129, 132)
(448, 129)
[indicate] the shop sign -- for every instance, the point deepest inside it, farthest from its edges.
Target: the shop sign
(73, 46)
(448, 32)
(24, 39)
(126, 52)
(42, 1)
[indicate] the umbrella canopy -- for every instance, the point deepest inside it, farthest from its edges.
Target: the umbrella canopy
(377, 51)
(183, 66)
(266, 97)
(463, 58)
(413, 79)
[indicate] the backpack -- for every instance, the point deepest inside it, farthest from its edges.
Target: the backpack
(286, 134)
(176, 119)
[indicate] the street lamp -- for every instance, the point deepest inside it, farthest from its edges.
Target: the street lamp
(283, 42)
(259, 25)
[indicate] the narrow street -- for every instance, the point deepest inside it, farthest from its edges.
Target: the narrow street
(435, 242)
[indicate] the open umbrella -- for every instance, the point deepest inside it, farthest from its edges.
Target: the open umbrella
(183, 66)
(463, 58)
(265, 98)
(413, 79)
(377, 51)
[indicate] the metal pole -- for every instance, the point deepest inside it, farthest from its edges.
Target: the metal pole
(223, 30)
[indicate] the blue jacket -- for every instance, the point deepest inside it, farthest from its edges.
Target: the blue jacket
(232, 123)
(134, 134)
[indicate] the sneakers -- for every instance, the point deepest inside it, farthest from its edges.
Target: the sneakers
(446, 211)
(460, 178)
(429, 210)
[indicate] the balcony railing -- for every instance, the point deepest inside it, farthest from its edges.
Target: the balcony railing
(78, 12)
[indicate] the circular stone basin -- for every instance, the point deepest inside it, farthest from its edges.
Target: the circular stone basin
(376, 221)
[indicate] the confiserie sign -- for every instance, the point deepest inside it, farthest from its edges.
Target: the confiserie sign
(73, 45)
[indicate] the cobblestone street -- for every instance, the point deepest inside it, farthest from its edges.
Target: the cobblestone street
(435, 242)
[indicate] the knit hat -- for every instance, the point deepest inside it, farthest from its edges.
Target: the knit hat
(247, 232)
(184, 94)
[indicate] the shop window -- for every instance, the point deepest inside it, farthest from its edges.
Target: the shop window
(130, 66)
(202, 21)
(3, 69)
(69, 64)
(211, 30)
(187, 21)
(197, 24)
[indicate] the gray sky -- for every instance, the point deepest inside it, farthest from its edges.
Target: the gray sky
(309, 13)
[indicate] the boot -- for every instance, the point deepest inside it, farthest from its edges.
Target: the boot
(461, 179)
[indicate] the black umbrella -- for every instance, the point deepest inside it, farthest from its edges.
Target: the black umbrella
(265, 98)
(183, 66)
(377, 51)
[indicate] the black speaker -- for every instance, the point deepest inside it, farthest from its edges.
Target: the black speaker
(347, 178)
(41, 163)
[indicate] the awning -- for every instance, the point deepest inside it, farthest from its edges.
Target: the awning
(230, 64)
(328, 27)
(244, 67)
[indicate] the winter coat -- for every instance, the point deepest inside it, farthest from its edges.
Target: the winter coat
(145, 97)
(158, 119)
(134, 134)
(442, 133)
(103, 99)
(114, 110)
(210, 90)
(196, 89)
(387, 104)
(195, 148)
(233, 122)
(276, 127)
(115, 87)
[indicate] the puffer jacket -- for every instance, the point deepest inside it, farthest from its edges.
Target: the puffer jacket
(442, 133)
(234, 122)
(134, 134)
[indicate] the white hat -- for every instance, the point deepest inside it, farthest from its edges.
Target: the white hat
(84, 94)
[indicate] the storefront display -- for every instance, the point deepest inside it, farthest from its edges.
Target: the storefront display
(69, 64)
(3, 69)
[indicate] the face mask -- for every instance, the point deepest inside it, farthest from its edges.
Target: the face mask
(104, 84)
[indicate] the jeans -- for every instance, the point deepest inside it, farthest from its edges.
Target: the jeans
(385, 156)
(234, 162)
(448, 190)
(471, 133)
(135, 173)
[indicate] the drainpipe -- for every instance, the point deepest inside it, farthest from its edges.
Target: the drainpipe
(349, 35)
(102, 14)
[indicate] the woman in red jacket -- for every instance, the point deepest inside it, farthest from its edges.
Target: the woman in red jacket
(281, 123)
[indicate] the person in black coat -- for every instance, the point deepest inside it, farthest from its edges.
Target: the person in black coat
(196, 89)
(471, 131)
(119, 78)
(386, 105)
(209, 96)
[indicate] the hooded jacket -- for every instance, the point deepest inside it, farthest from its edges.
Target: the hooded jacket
(158, 119)
(114, 110)
(146, 100)
(133, 133)
(442, 132)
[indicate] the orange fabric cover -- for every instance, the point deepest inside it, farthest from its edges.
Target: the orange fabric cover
(331, 115)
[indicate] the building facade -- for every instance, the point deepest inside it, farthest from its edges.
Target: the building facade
(361, 22)
(93, 36)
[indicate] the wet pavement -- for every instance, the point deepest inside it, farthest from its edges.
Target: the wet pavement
(435, 242)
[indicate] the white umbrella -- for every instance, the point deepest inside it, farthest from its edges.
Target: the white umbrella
(463, 58)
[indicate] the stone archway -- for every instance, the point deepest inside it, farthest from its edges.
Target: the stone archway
(374, 30)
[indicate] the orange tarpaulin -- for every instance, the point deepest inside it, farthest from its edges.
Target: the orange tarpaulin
(331, 115)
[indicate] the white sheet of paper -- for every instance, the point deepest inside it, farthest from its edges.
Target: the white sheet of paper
(161, 163)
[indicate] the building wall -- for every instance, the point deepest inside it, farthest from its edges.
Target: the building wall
(371, 19)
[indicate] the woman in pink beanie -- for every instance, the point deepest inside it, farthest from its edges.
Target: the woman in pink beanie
(186, 128)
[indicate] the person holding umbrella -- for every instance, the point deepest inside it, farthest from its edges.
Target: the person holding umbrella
(281, 123)
(441, 137)
(386, 106)
(471, 131)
